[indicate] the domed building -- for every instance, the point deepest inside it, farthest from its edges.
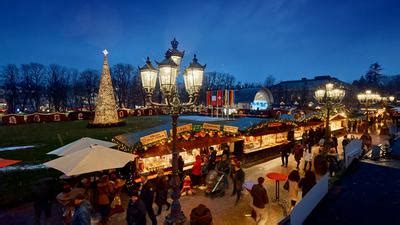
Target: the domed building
(254, 98)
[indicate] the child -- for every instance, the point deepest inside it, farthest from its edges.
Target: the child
(187, 186)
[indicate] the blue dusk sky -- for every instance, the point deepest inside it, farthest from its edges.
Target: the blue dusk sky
(288, 39)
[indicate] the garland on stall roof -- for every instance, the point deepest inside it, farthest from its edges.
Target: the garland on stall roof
(184, 136)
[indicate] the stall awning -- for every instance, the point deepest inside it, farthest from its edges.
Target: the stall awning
(165, 149)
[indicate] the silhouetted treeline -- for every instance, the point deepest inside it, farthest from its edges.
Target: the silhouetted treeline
(36, 87)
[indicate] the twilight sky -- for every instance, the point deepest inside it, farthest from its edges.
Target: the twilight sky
(289, 39)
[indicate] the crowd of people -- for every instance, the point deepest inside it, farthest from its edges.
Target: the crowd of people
(102, 196)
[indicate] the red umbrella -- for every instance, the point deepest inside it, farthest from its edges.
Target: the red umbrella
(8, 162)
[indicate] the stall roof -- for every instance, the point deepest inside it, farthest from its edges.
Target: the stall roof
(159, 150)
(338, 117)
(130, 139)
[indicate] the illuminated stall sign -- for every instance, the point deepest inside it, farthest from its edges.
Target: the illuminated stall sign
(209, 126)
(231, 129)
(154, 137)
(183, 128)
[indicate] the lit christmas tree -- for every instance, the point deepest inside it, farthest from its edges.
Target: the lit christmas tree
(106, 110)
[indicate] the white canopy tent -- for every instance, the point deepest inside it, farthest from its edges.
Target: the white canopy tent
(79, 145)
(91, 159)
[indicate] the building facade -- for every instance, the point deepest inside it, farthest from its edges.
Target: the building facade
(301, 92)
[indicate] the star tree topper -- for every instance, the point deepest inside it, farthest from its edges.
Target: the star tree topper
(105, 52)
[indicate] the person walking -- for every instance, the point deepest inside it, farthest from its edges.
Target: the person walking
(238, 180)
(196, 172)
(181, 164)
(307, 182)
(293, 180)
(161, 191)
(147, 196)
(82, 215)
(308, 156)
(298, 154)
(212, 159)
(260, 200)
(345, 142)
(335, 143)
(224, 167)
(136, 210)
(285, 151)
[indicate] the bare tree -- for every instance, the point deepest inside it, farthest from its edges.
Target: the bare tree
(138, 95)
(32, 85)
(269, 81)
(90, 86)
(122, 75)
(57, 87)
(10, 75)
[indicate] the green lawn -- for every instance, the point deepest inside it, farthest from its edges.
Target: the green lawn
(49, 136)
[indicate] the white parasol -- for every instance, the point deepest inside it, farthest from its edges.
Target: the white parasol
(91, 159)
(79, 145)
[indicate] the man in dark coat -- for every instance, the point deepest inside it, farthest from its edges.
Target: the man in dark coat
(162, 191)
(260, 199)
(147, 196)
(238, 180)
(136, 211)
(285, 152)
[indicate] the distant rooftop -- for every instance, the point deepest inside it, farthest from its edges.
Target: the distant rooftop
(314, 82)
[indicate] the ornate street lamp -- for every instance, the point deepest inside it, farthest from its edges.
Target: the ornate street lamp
(167, 72)
(328, 96)
(368, 98)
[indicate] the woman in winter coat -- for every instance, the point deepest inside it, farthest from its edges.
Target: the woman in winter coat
(307, 182)
(298, 154)
(308, 156)
(196, 172)
(293, 179)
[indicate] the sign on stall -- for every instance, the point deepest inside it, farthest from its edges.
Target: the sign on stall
(183, 128)
(275, 124)
(210, 126)
(154, 137)
(231, 129)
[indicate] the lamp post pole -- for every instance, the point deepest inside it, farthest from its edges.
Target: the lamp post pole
(328, 96)
(368, 98)
(167, 73)
(327, 128)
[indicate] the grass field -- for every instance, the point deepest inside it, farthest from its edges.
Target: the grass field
(49, 136)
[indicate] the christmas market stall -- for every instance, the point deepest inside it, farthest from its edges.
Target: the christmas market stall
(309, 122)
(265, 140)
(154, 151)
(338, 124)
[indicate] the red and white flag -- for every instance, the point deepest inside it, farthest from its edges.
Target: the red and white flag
(214, 100)
(219, 98)
(231, 97)
(208, 98)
